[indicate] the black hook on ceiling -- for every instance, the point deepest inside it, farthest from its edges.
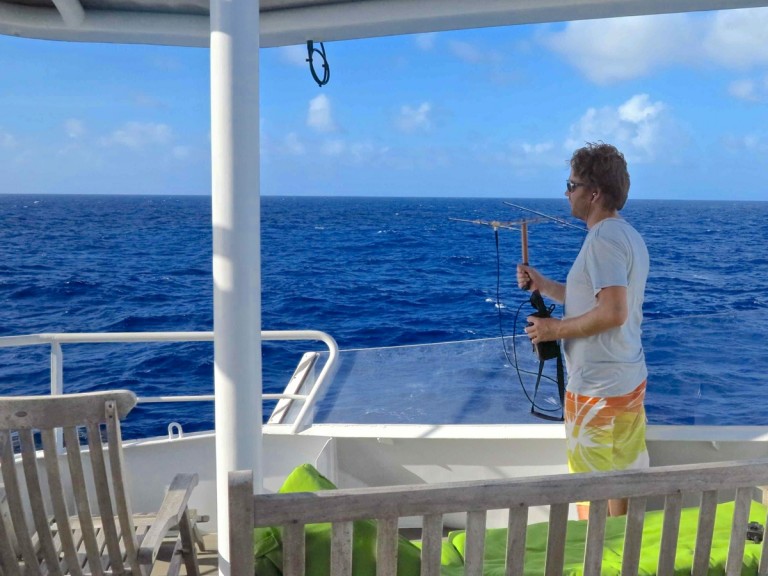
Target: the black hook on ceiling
(326, 69)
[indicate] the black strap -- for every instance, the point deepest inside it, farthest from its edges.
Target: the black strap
(560, 390)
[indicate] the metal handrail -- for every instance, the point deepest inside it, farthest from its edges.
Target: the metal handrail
(55, 340)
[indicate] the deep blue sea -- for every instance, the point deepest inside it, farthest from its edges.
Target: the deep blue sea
(371, 272)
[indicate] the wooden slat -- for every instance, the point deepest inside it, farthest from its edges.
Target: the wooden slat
(341, 548)
(36, 502)
(122, 503)
(475, 545)
(55, 532)
(240, 498)
(633, 537)
(738, 532)
(704, 533)
(63, 532)
(101, 542)
(186, 541)
(386, 547)
(5, 518)
(669, 534)
(763, 568)
(82, 557)
(88, 532)
(518, 521)
(293, 550)
(558, 524)
(174, 565)
(101, 482)
(431, 540)
(8, 562)
(593, 552)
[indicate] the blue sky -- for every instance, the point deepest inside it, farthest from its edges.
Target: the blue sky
(486, 113)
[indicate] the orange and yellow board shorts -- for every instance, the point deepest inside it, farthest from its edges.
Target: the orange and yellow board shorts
(605, 434)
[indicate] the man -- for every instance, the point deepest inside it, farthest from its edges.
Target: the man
(600, 329)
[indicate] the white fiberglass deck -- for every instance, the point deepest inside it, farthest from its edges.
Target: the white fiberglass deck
(475, 382)
(469, 382)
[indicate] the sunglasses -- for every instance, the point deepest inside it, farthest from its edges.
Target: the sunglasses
(570, 185)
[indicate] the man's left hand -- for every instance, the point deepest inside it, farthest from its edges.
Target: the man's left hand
(542, 329)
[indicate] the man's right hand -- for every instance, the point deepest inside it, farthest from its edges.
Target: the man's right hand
(531, 279)
(527, 277)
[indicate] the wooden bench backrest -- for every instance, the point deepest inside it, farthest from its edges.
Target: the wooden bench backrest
(387, 504)
(37, 532)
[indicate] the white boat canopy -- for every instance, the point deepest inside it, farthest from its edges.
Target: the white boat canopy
(229, 28)
(287, 22)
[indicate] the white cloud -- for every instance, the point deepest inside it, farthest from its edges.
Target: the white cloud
(526, 156)
(745, 143)
(537, 149)
(638, 127)
(139, 135)
(74, 128)
(736, 38)
(293, 55)
(181, 152)
(415, 119)
(471, 54)
(292, 145)
(7, 140)
(334, 147)
(319, 116)
(355, 152)
(425, 42)
(523, 156)
(618, 49)
(143, 100)
(754, 89)
(743, 90)
(362, 151)
(341, 151)
(639, 109)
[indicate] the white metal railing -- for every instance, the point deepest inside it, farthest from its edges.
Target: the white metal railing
(55, 341)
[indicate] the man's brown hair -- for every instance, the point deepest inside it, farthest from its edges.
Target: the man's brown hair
(602, 166)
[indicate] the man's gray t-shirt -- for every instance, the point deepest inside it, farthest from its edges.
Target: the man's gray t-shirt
(611, 363)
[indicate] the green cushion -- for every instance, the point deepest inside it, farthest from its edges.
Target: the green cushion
(267, 542)
(449, 556)
(536, 544)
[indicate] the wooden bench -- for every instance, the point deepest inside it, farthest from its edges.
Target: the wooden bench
(386, 505)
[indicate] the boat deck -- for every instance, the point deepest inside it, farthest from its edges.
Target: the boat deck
(208, 559)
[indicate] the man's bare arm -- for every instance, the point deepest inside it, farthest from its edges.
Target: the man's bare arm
(610, 312)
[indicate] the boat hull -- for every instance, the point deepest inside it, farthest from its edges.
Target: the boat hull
(362, 456)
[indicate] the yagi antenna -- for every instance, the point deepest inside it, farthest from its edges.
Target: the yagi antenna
(521, 225)
(558, 220)
(495, 224)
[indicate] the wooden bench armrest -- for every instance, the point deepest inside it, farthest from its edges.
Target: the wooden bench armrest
(172, 509)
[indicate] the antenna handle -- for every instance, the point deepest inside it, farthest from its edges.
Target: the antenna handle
(524, 243)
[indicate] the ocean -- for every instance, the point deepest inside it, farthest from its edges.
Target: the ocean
(372, 272)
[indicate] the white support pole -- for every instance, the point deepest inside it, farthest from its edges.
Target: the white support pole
(236, 248)
(57, 385)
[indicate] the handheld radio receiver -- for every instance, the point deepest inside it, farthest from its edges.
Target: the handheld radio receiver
(544, 350)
